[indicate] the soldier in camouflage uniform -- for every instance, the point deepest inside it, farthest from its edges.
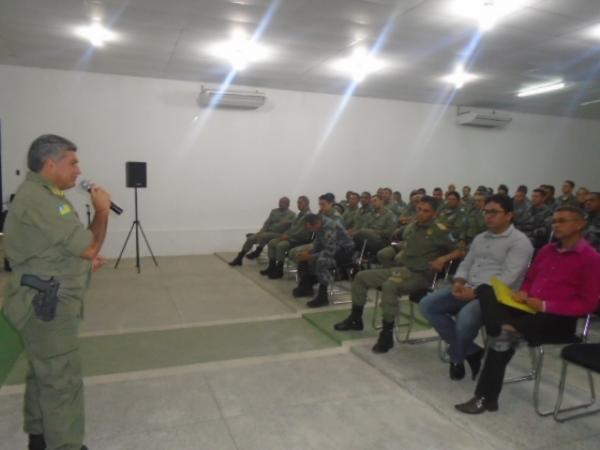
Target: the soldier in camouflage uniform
(333, 247)
(365, 209)
(467, 199)
(582, 193)
(521, 205)
(297, 235)
(592, 207)
(352, 212)
(549, 200)
(567, 198)
(438, 195)
(426, 250)
(535, 223)
(376, 229)
(278, 222)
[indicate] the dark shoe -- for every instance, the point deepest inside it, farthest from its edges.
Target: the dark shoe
(83, 447)
(477, 405)
(353, 321)
(303, 290)
(277, 272)
(255, 254)
(386, 338)
(37, 442)
(238, 260)
(321, 299)
(269, 268)
(474, 361)
(457, 371)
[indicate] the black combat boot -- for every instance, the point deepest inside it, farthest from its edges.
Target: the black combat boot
(321, 299)
(255, 254)
(305, 287)
(353, 321)
(238, 259)
(37, 442)
(386, 338)
(277, 272)
(269, 268)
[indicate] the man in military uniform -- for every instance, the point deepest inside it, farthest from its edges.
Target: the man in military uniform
(332, 247)
(452, 214)
(426, 250)
(364, 210)
(475, 220)
(520, 206)
(352, 212)
(592, 208)
(297, 235)
(549, 200)
(535, 223)
(376, 229)
(438, 196)
(47, 244)
(279, 221)
(567, 198)
(398, 205)
(467, 199)
(581, 195)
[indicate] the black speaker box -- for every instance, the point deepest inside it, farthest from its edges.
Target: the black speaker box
(135, 174)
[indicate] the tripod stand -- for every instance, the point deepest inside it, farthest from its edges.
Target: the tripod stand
(138, 227)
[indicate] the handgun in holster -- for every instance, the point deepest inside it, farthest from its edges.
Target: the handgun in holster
(46, 299)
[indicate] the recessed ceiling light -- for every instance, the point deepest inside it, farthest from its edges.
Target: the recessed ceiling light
(487, 13)
(240, 51)
(459, 77)
(96, 33)
(359, 65)
(542, 88)
(595, 32)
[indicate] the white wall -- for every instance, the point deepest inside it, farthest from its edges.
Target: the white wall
(213, 178)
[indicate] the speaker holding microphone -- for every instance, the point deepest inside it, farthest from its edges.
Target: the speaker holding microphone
(135, 174)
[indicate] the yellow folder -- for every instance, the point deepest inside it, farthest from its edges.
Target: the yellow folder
(504, 294)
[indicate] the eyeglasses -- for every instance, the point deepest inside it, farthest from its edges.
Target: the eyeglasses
(492, 212)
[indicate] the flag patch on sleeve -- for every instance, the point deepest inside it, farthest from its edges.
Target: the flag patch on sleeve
(64, 209)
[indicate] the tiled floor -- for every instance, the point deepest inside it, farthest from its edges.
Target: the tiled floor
(197, 355)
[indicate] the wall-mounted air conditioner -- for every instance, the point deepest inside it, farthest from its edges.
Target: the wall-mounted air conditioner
(478, 118)
(231, 99)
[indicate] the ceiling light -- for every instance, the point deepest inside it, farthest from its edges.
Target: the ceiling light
(240, 51)
(486, 12)
(595, 32)
(459, 77)
(541, 88)
(359, 65)
(96, 33)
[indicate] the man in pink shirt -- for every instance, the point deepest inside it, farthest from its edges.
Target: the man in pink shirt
(561, 285)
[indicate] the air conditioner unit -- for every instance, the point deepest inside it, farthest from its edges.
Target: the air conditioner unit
(231, 99)
(491, 119)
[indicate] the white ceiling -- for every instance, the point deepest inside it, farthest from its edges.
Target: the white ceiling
(167, 39)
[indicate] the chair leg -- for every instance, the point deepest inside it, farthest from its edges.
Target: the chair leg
(558, 413)
(535, 360)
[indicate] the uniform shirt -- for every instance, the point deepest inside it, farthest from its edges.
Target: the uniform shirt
(382, 221)
(505, 256)
(423, 243)
(44, 237)
(520, 211)
(454, 219)
(570, 200)
(298, 231)
(592, 232)
(363, 216)
(350, 217)
(334, 215)
(331, 238)
(566, 280)
(278, 221)
(536, 219)
(474, 224)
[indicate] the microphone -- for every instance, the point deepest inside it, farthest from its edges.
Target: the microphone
(87, 185)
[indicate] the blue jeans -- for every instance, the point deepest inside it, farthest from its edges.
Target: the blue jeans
(456, 321)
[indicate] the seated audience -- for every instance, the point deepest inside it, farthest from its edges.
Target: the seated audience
(592, 208)
(333, 247)
(475, 220)
(550, 192)
(535, 222)
(277, 223)
(520, 205)
(452, 214)
(567, 198)
(502, 190)
(438, 197)
(376, 229)
(561, 285)
(351, 214)
(582, 193)
(502, 251)
(426, 250)
(297, 235)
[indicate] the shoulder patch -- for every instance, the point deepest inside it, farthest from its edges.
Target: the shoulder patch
(64, 209)
(57, 192)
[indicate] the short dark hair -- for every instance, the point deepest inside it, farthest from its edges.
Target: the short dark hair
(429, 200)
(438, 189)
(504, 201)
(522, 188)
(365, 193)
(312, 218)
(572, 209)
(45, 147)
(540, 191)
(503, 187)
(304, 197)
(549, 187)
(422, 191)
(454, 194)
(570, 183)
(328, 197)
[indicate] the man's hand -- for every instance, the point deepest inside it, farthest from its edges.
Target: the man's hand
(462, 292)
(100, 199)
(520, 296)
(98, 262)
(437, 265)
(535, 303)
